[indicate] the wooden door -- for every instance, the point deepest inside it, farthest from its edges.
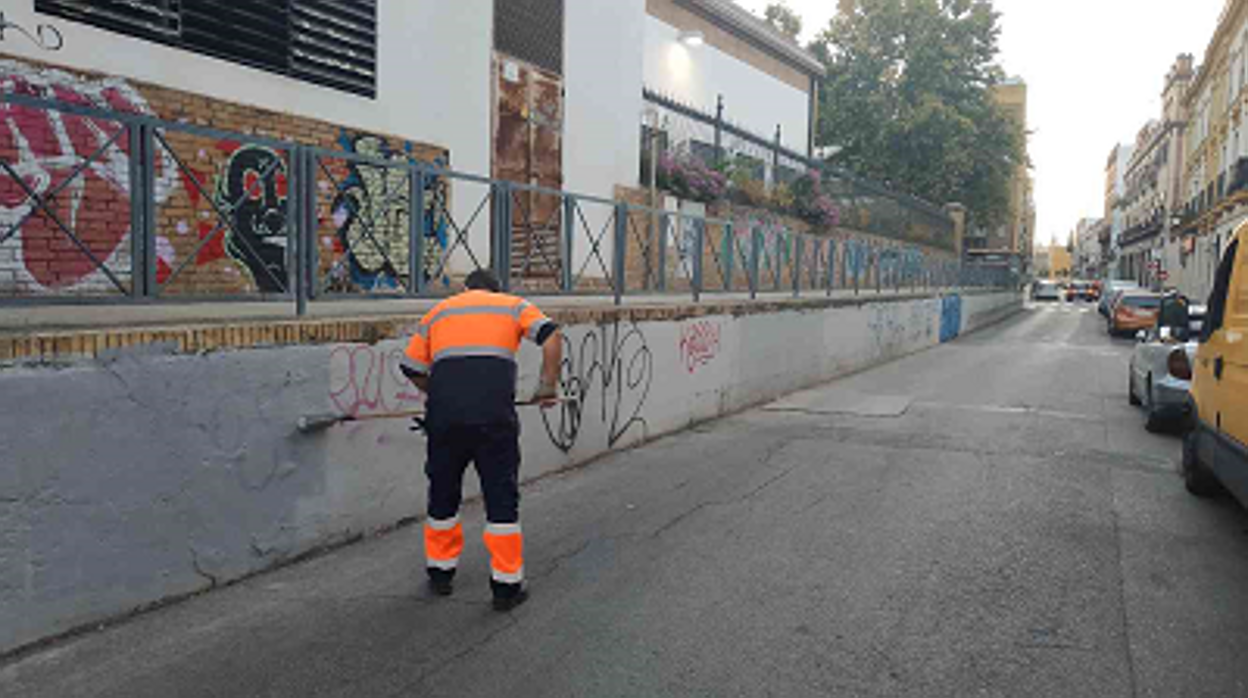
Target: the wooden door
(528, 149)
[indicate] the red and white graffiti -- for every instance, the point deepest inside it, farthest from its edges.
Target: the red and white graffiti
(44, 148)
(699, 344)
(367, 380)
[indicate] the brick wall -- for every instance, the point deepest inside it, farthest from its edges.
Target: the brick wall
(220, 203)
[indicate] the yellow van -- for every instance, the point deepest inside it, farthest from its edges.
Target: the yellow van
(1215, 451)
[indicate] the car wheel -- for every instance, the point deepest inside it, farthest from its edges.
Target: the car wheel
(1196, 477)
(1155, 422)
(1131, 396)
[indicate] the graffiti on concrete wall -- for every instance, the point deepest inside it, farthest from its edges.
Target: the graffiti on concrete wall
(49, 152)
(897, 328)
(368, 380)
(699, 343)
(606, 376)
(950, 318)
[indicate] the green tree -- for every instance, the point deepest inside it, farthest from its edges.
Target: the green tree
(784, 19)
(909, 98)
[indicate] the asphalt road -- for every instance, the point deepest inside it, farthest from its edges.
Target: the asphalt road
(1013, 532)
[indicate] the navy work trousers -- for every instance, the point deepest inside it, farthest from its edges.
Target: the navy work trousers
(495, 451)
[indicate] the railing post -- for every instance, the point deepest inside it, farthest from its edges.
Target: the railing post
(500, 254)
(138, 210)
(618, 258)
(877, 262)
(661, 256)
(719, 130)
(778, 271)
(150, 286)
(729, 255)
(899, 271)
(756, 245)
(299, 234)
(699, 237)
(799, 254)
(416, 229)
(313, 256)
(831, 262)
(565, 249)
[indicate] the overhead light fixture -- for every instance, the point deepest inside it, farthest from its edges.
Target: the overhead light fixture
(692, 38)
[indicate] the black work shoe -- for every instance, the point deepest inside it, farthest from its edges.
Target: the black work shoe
(441, 582)
(505, 604)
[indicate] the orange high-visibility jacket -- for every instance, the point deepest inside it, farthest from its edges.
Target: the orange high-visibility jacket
(473, 323)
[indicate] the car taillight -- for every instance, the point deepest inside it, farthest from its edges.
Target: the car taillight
(1179, 366)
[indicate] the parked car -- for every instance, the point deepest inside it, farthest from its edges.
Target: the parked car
(1134, 311)
(1159, 376)
(1081, 290)
(1215, 450)
(1095, 291)
(1110, 293)
(1046, 291)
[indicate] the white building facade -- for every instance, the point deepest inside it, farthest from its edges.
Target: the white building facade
(548, 92)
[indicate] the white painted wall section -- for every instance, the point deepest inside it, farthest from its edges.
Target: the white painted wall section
(602, 132)
(753, 99)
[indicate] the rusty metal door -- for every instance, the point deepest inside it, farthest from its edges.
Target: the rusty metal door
(528, 148)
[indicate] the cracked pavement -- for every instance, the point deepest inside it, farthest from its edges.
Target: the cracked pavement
(1015, 532)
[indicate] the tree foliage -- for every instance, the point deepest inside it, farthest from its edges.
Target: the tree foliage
(909, 98)
(784, 19)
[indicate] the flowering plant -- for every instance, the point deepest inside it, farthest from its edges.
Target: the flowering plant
(812, 205)
(690, 178)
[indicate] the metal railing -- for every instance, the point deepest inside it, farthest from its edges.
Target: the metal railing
(866, 206)
(104, 206)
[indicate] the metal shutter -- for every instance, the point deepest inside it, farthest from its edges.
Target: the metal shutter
(531, 30)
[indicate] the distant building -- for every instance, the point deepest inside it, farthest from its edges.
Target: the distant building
(1152, 187)
(1115, 199)
(1087, 262)
(1014, 237)
(1214, 186)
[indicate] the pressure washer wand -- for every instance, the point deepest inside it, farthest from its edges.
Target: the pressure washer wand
(311, 424)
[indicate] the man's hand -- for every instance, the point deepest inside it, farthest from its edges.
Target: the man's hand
(547, 395)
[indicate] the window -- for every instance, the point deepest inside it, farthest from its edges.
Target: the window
(327, 42)
(1221, 288)
(530, 30)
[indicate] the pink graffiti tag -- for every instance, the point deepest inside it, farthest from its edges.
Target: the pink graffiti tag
(699, 344)
(367, 380)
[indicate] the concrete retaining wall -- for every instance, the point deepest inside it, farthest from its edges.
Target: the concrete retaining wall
(144, 476)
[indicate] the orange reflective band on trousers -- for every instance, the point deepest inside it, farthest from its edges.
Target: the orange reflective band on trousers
(506, 545)
(444, 541)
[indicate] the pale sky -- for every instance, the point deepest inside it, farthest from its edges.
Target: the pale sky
(1095, 70)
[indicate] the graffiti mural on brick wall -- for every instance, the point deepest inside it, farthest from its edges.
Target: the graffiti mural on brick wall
(255, 187)
(372, 215)
(606, 377)
(699, 344)
(46, 149)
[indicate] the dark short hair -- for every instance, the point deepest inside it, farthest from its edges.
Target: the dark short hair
(483, 280)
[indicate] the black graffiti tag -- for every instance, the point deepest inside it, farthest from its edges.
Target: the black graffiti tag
(613, 363)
